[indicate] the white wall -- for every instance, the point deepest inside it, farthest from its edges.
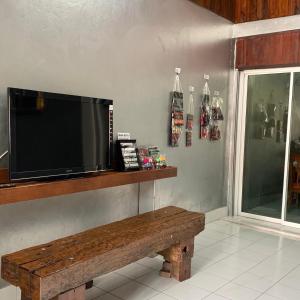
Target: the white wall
(266, 26)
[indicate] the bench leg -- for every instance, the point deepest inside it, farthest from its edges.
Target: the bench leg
(178, 260)
(76, 294)
(89, 285)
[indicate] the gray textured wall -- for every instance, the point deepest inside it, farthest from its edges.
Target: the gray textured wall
(125, 50)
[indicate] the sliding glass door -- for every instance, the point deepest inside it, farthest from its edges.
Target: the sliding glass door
(268, 146)
(265, 144)
(293, 189)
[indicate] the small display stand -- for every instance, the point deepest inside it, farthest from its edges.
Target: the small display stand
(127, 156)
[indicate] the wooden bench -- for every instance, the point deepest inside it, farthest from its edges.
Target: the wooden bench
(61, 269)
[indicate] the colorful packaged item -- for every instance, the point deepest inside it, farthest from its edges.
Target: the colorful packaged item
(145, 161)
(216, 107)
(205, 111)
(216, 117)
(163, 161)
(151, 158)
(215, 133)
(190, 118)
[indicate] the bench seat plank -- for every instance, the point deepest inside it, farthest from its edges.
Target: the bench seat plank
(142, 235)
(63, 246)
(48, 270)
(67, 243)
(105, 243)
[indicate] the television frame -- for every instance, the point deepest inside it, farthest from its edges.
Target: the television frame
(61, 172)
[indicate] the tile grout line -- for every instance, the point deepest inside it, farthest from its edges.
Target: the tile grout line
(272, 231)
(265, 293)
(232, 254)
(162, 292)
(204, 270)
(254, 242)
(229, 254)
(231, 281)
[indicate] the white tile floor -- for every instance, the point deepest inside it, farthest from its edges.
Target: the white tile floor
(230, 262)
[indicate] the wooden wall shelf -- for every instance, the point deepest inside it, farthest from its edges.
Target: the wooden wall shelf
(37, 190)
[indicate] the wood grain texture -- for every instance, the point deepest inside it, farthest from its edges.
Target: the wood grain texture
(178, 259)
(254, 10)
(239, 11)
(4, 177)
(75, 294)
(24, 297)
(268, 50)
(222, 8)
(45, 271)
(38, 190)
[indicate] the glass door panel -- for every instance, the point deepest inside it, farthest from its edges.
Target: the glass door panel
(293, 197)
(265, 144)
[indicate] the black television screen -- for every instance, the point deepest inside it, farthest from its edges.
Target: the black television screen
(55, 134)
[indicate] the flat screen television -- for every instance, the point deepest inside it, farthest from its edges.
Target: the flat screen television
(54, 135)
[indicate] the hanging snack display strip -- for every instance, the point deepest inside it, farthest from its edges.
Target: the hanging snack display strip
(205, 111)
(177, 120)
(190, 118)
(216, 117)
(210, 114)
